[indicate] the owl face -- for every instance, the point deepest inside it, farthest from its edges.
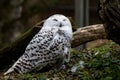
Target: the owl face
(60, 22)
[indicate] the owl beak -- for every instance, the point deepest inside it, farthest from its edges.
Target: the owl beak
(60, 25)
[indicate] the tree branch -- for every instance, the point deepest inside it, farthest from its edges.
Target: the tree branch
(88, 33)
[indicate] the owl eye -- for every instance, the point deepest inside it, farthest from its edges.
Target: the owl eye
(64, 19)
(55, 20)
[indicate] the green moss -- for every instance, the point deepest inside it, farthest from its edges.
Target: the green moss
(100, 63)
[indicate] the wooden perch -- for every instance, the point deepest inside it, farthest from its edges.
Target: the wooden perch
(88, 33)
(16, 49)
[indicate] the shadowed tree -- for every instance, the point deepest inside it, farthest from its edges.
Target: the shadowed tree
(110, 14)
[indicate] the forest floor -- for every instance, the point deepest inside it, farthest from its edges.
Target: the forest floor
(101, 63)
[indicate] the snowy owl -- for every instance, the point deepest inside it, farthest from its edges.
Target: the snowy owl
(50, 44)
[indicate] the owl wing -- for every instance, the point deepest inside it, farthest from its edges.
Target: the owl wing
(35, 52)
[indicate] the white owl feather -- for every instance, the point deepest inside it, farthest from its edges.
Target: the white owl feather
(50, 44)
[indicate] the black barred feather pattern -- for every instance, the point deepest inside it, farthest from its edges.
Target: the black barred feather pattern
(49, 45)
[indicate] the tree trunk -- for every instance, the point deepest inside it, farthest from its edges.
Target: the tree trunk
(13, 51)
(110, 14)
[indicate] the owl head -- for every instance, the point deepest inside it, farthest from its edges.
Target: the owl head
(58, 21)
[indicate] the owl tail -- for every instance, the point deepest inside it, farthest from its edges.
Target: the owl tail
(9, 71)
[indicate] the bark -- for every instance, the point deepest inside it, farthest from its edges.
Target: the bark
(88, 33)
(13, 51)
(110, 15)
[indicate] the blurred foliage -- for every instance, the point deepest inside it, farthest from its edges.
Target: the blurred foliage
(102, 63)
(15, 17)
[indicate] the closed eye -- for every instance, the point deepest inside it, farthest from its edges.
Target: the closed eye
(55, 20)
(64, 19)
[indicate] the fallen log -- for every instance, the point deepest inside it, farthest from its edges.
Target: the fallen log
(13, 51)
(87, 34)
